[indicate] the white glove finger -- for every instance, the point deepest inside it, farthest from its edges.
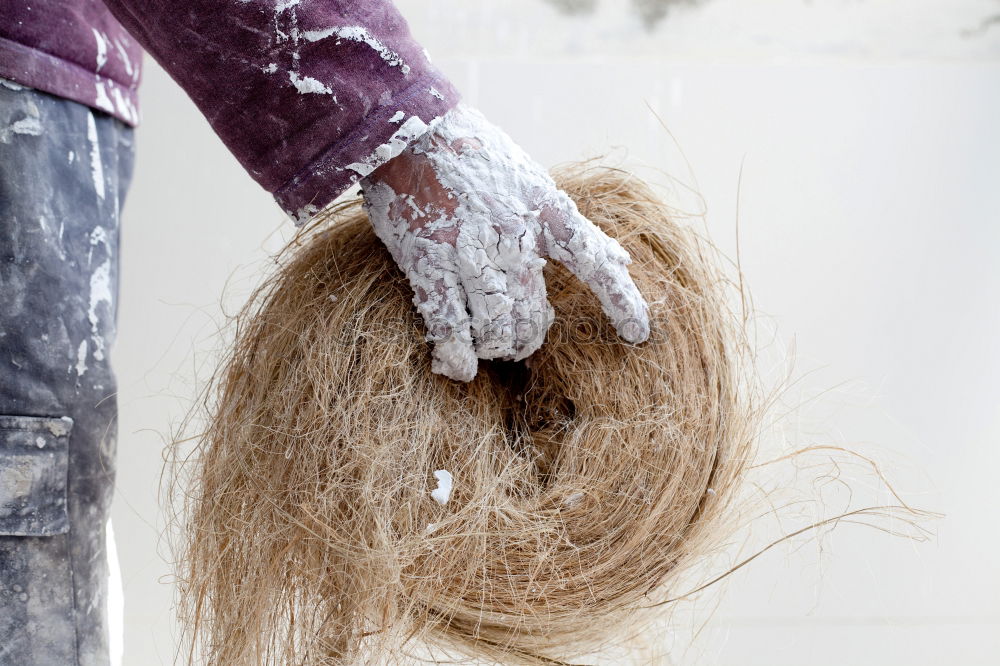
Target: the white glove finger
(532, 312)
(483, 255)
(437, 292)
(441, 301)
(600, 262)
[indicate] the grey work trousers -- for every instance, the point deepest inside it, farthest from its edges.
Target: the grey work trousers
(64, 170)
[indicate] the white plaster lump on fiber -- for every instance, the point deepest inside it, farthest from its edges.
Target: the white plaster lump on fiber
(474, 258)
(442, 493)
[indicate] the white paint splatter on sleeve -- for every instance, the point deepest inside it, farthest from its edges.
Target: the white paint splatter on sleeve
(102, 49)
(102, 100)
(307, 85)
(123, 54)
(357, 33)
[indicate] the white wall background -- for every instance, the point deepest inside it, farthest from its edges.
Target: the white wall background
(869, 220)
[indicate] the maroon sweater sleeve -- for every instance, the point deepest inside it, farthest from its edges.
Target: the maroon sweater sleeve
(309, 95)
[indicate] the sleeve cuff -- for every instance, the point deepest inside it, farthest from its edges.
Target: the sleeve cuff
(382, 135)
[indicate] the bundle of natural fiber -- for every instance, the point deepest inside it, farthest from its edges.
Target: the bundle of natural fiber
(585, 480)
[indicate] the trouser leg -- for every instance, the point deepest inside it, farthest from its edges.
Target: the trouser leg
(64, 170)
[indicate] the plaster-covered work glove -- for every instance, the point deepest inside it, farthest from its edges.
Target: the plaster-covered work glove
(468, 215)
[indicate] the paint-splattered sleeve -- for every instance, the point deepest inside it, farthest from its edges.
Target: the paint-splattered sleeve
(309, 95)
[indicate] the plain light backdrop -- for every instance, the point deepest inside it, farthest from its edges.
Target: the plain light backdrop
(868, 215)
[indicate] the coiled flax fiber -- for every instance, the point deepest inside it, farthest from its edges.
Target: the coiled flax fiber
(586, 480)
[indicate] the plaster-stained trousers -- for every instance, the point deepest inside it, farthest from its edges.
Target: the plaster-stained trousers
(64, 170)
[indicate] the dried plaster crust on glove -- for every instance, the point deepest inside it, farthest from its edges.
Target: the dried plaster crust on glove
(467, 215)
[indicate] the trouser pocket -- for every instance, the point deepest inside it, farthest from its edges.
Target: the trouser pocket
(36, 576)
(34, 461)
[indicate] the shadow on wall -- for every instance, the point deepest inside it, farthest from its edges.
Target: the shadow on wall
(650, 11)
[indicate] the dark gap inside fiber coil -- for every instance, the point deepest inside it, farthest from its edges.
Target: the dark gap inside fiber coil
(514, 378)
